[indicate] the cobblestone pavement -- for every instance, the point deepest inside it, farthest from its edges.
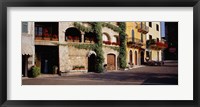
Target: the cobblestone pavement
(147, 75)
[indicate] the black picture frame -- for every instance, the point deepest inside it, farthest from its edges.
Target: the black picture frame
(99, 3)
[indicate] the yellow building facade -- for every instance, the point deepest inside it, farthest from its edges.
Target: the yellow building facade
(136, 39)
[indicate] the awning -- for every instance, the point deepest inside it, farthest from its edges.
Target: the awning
(26, 45)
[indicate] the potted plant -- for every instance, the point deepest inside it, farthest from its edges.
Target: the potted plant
(81, 67)
(35, 71)
(69, 38)
(76, 67)
(54, 69)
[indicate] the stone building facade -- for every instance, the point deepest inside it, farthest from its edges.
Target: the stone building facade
(64, 45)
(69, 46)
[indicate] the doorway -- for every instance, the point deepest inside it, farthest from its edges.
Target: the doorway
(25, 65)
(111, 62)
(142, 57)
(131, 56)
(46, 58)
(135, 57)
(91, 63)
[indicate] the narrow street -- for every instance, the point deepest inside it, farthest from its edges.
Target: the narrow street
(146, 75)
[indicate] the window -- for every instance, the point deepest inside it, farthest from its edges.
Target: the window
(147, 53)
(114, 39)
(38, 31)
(157, 27)
(157, 39)
(141, 37)
(24, 27)
(150, 37)
(105, 37)
(133, 36)
(150, 24)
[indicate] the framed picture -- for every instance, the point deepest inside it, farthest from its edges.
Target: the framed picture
(91, 53)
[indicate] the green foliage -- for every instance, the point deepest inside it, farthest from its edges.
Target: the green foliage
(96, 28)
(83, 28)
(81, 66)
(83, 46)
(122, 26)
(150, 42)
(113, 27)
(114, 48)
(35, 71)
(122, 50)
(78, 67)
(98, 46)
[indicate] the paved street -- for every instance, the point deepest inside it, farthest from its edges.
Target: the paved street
(146, 75)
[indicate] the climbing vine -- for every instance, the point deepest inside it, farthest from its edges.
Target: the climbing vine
(96, 28)
(122, 50)
(98, 46)
(83, 28)
(83, 46)
(113, 27)
(114, 48)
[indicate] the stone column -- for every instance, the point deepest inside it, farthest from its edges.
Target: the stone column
(82, 37)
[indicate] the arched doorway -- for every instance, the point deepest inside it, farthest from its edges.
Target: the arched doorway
(73, 34)
(111, 62)
(135, 57)
(91, 62)
(131, 56)
(142, 57)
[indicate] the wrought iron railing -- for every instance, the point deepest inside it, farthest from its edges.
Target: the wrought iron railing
(154, 44)
(142, 28)
(134, 42)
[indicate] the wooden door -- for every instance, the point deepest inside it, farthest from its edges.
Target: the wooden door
(111, 62)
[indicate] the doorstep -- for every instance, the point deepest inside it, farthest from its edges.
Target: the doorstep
(47, 75)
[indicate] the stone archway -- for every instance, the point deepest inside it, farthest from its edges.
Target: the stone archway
(91, 61)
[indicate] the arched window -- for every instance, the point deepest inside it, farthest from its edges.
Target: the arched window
(115, 39)
(106, 37)
(133, 34)
(73, 34)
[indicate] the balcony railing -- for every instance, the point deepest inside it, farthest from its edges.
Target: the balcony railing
(157, 45)
(142, 28)
(52, 37)
(136, 43)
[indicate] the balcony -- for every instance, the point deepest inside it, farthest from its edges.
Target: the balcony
(111, 43)
(52, 37)
(46, 31)
(142, 28)
(156, 45)
(134, 43)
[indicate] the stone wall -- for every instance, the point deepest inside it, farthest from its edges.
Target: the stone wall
(77, 57)
(70, 56)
